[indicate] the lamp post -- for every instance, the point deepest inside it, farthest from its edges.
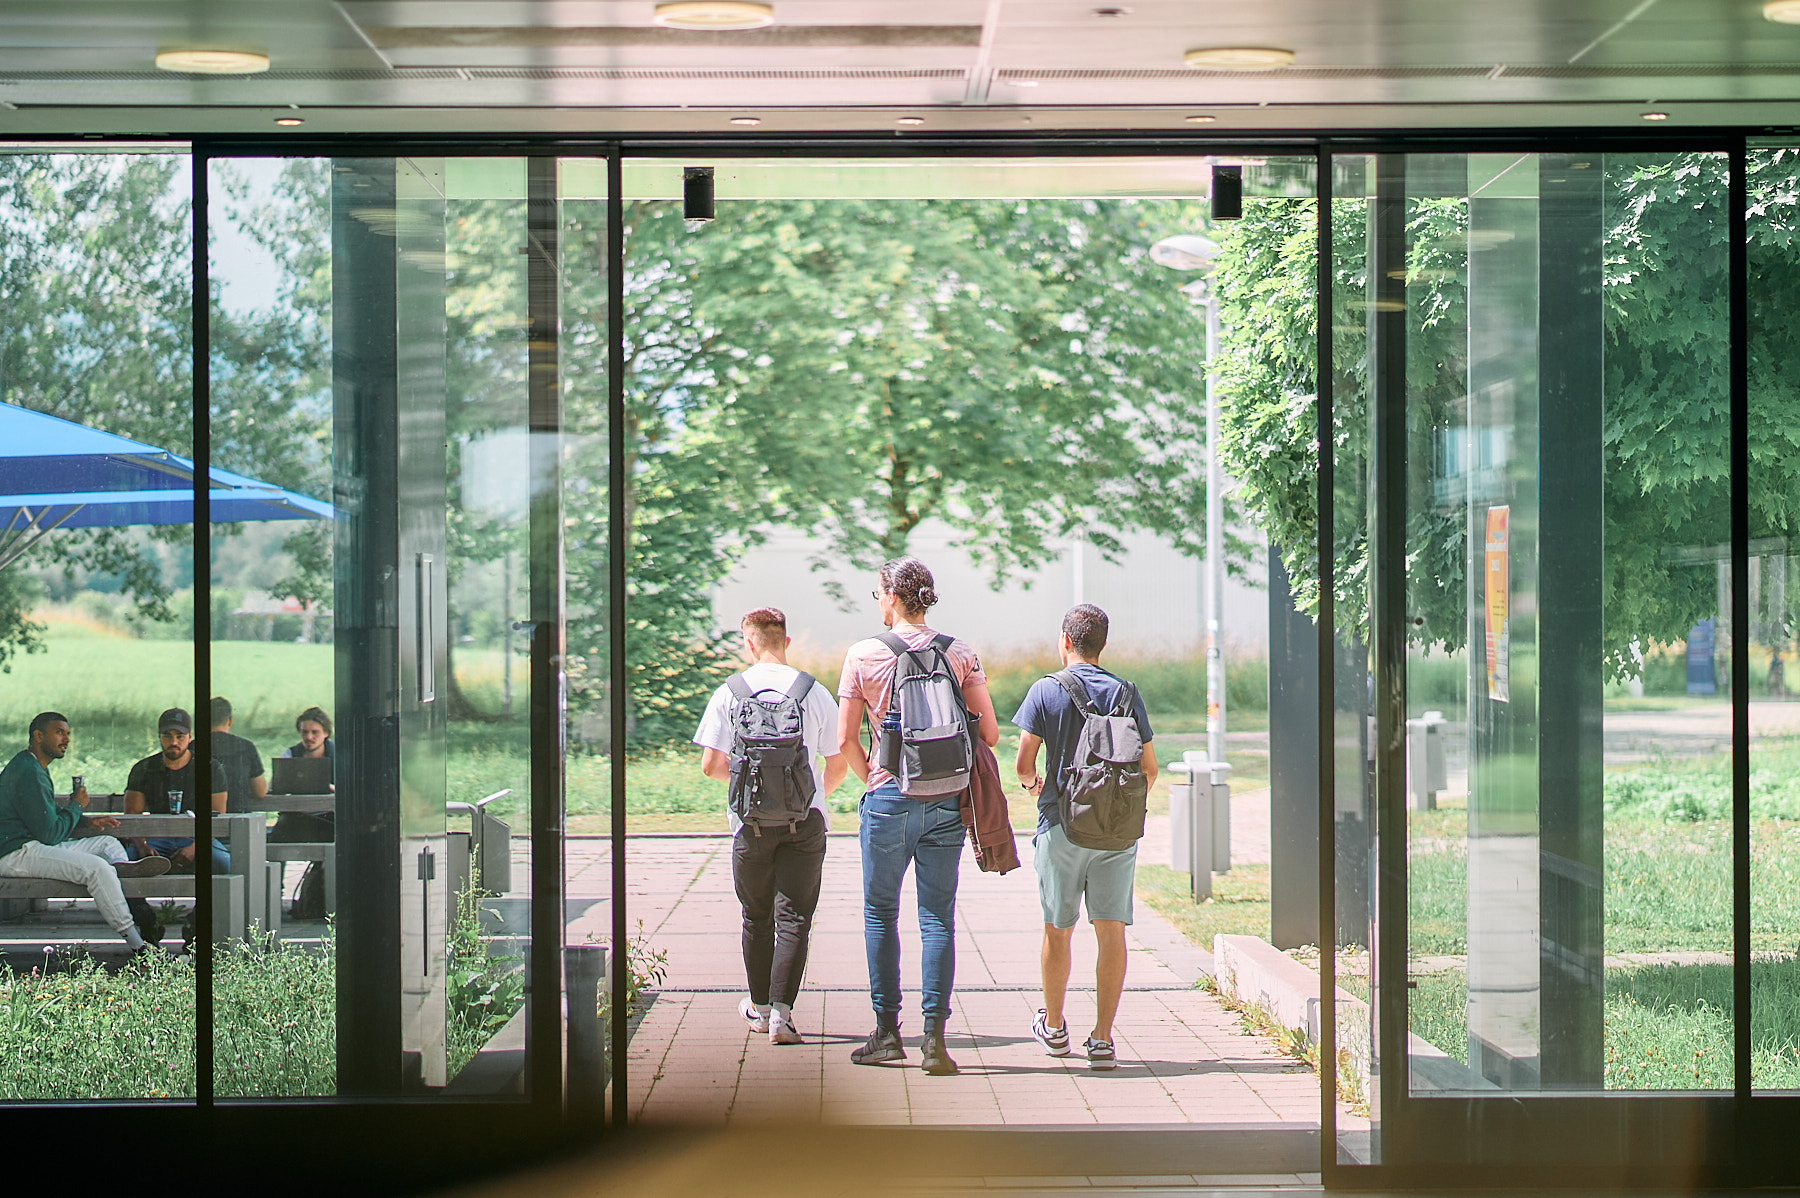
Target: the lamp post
(1189, 252)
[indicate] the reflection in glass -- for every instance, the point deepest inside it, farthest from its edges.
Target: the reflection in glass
(96, 613)
(1773, 598)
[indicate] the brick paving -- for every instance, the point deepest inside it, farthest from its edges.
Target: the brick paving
(1182, 1057)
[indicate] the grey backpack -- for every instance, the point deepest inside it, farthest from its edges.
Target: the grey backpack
(925, 742)
(772, 780)
(1101, 794)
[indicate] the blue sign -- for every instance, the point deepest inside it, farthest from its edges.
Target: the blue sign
(1702, 676)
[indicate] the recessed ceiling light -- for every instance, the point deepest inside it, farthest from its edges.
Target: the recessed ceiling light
(213, 62)
(910, 120)
(746, 120)
(1782, 12)
(1110, 12)
(1202, 118)
(1238, 58)
(1656, 116)
(1024, 82)
(289, 121)
(714, 14)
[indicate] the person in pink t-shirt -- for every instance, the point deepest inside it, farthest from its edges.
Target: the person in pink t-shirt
(898, 831)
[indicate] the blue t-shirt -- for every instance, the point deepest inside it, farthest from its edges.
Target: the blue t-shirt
(1049, 713)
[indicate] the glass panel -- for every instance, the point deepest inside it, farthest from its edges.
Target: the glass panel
(1568, 874)
(96, 620)
(1774, 584)
(990, 366)
(1353, 749)
(369, 357)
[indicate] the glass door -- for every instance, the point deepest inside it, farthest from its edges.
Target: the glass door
(1546, 887)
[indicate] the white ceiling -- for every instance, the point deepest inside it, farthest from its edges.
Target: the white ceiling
(601, 66)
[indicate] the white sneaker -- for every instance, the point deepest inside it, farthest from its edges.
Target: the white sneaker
(782, 1029)
(758, 1020)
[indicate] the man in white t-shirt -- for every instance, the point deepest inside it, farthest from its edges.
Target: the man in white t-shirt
(775, 868)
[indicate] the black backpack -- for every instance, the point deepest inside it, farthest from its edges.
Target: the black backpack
(772, 781)
(1101, 794)
(928, 749)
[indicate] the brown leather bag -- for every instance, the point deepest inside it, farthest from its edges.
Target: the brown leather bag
(985, 816)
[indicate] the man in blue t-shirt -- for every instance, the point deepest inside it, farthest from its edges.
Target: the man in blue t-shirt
(1068, 873)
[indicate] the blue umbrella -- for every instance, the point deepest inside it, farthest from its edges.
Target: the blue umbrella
(55, 474)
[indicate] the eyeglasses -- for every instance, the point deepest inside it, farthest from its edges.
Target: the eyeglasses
(875, 595)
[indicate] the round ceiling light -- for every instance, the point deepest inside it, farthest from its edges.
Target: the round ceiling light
(213, 62)
(1238, 58)
(1201, 118)
(714, 14)
(1782, 12)
(746, 121)
(909, 120)
(288, 122)
(1656, 116)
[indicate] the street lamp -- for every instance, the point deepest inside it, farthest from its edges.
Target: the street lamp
(1190, 252)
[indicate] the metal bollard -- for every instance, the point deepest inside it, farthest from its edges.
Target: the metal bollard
(1191, 823)
(586, 966)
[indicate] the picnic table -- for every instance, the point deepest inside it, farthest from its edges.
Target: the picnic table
(278, 854)
(238, 897)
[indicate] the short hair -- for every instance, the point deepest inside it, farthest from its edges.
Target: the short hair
(313, 715)
(43, 720)
(221, 710)
(1085, 625)
(909, 580)
(766, 627)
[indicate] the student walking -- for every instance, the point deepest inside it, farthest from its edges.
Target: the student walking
(926, 695)
(1090, 815)
(764, 733)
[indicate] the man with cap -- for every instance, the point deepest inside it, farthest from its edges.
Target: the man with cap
(163, 784)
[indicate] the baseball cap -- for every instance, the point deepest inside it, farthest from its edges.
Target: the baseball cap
(174, 718)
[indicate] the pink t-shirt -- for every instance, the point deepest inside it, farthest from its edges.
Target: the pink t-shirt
(869, 675)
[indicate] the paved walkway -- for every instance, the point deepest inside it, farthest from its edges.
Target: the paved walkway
(1183, 1058)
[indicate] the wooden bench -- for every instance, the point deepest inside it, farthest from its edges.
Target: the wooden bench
(236, 896)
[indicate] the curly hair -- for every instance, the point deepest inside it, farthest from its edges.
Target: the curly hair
(313, 715)
(908, 580)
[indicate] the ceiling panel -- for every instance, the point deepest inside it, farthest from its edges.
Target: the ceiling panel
(996, 64)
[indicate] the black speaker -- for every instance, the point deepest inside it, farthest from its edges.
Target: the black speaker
(1227, 192)
(697, 192)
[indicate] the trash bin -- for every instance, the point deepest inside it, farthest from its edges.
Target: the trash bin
(1199, 820)
(1426, 771)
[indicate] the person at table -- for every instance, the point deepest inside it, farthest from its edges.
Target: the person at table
(39, 839)
(245, 783)
(314, 727)
(158, 776)
(309, 827)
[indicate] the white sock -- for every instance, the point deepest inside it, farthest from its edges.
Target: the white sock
(784, 1010)
(133, 941)
(761, 1008)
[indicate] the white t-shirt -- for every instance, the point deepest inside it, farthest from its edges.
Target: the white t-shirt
(818, 731)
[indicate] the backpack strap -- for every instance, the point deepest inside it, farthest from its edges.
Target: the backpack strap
(802, 687)
(896, 646)
(1077, 692)
(738, 687)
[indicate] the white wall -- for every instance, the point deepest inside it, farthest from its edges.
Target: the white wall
(1152, 597)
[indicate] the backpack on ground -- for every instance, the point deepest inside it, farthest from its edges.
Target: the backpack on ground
(309, 896)
(772, 781)
(925, 742)
(1101, 794)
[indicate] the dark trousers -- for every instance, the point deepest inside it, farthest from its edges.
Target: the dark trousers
(777, 880)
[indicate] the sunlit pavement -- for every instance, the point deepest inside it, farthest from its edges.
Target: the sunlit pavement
(1183, 1058)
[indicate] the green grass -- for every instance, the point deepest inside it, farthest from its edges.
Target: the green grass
(1667, 1027)
(1239, 905)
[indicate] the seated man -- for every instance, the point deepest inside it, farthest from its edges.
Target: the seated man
(245, 785)
(161, 777)
(38, 839)
(308, 827)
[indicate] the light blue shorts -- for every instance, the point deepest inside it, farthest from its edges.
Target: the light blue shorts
(1067, 872)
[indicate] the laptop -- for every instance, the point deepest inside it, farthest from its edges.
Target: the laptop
(300, 776)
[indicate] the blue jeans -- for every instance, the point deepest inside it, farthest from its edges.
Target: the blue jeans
(168, 846)
(928, 834)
